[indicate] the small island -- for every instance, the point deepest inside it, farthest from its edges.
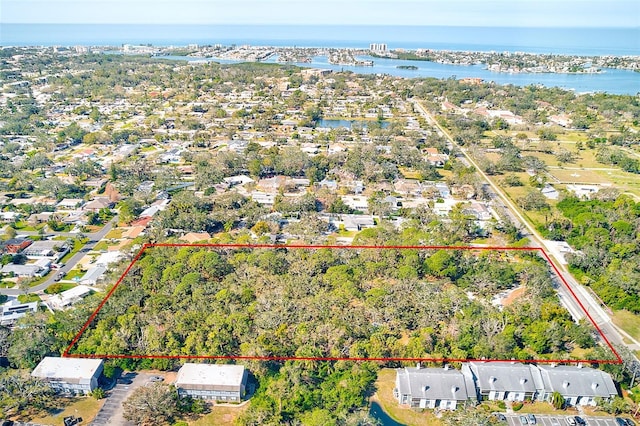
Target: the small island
(407, 67)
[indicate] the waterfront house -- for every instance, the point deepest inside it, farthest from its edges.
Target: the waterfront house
(442, 388)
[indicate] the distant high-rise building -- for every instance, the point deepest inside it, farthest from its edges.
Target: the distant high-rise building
(378, 47)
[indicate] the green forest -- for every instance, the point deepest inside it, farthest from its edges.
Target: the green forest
(364, 303)
(605, 233)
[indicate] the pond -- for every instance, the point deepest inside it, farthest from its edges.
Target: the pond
(348, 124)
(376, 411)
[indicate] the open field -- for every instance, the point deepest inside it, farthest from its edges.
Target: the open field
(85, 407)
(628, 322)
(220, 415)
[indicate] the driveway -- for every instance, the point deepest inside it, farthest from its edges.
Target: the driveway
(111, 412)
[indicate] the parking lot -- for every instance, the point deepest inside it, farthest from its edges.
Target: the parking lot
(111, 412)
(547, 420)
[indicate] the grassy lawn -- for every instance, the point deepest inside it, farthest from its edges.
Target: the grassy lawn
(7, 284)
(77, 245)
(22, 225)
(384, 396)
(115, 234)
(85, 407)
(102, 245)
(73, 274)
(409, 174)
(545, 408)
(39, 281)
(28, 298)
(58, 288)
(628, 322)
(220, 416)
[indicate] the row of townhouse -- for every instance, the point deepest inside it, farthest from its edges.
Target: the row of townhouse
(446, 388)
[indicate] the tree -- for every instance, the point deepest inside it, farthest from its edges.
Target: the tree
(557, 400)
(156, 404)
(534, 200)
(18, 392)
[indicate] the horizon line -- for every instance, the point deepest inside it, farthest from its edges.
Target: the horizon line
(226, 24)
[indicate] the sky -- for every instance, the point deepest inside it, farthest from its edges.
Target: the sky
(504, 13)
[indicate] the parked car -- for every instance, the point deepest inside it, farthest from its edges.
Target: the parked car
(156, 379)
(580, 421)
(571, 421)
(621, 422)
(523, 420)
(501, 417)
(532, 419)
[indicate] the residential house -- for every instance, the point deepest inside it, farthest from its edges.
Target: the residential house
(97, 204)
(105, 259)
(435, 158)
(501, 381)
(70, 375)
(25, 271)
(70, 203)
(194, 237)
(48, 249)
(238, 180)
(8, 217)
(93, 275)
(16, 245)
(13, 310)
(212, 381)
(583, 191)
(263, 198)
(71, 296)
(442, 388)
(578, 385)
(355, 202)
(550, 192)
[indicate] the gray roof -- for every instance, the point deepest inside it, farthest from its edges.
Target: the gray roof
(93, 274)
(434, 384)
(577, 381)
(502, 376)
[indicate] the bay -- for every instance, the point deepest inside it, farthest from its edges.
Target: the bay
(577, 41)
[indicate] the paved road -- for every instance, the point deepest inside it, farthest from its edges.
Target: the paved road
(584, 298)
(111, 412)
(94, 239)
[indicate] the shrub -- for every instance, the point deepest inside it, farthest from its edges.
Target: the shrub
(98, 393)
(517, 406)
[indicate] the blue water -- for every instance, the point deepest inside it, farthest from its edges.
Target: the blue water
(377, 412)
(347, 124)
(582, 41)
(578, 41)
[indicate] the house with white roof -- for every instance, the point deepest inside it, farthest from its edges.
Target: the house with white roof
(69, 375)
(69, 297)
(13, 310)
(212, 381)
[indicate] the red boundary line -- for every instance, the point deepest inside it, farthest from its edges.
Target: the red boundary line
(544, 254)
